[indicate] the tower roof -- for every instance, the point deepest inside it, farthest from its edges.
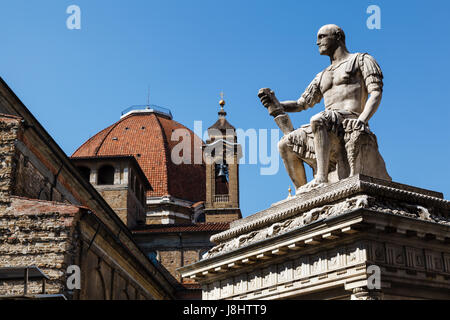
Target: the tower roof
(222, 123)
(146, 135)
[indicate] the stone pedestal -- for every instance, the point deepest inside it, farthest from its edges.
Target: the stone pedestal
(360, 238)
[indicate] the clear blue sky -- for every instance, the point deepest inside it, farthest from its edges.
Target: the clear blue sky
(76, 82)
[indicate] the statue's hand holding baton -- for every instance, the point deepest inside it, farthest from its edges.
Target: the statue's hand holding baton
(276, 110)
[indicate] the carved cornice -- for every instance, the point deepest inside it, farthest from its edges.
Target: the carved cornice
(342, 190)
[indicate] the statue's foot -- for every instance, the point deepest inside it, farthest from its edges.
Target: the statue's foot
(313, 184)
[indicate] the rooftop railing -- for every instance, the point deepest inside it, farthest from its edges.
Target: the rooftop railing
(149, 108)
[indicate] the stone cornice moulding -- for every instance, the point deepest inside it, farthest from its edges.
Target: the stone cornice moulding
(293, 242)
(334, 192)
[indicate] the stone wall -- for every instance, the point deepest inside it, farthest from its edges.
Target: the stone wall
(117, 199)
(32, 233)
(191, 256)
(49, 235)
(125, 191)
(176, 258)
(136, 209)
(225, 217)
(9, 131)
(23, 173)
(53, 235)
(41, 234)
(103, 278)
(171, 260)
(31, 183)
(175, 249)
(125, 203)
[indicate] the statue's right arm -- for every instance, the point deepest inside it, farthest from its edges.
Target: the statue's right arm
(293, 106)
(308, 99)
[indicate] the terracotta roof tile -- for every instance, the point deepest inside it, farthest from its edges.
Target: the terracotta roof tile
(27, 206)
(222, 124)
(147, 136)
(198, 227)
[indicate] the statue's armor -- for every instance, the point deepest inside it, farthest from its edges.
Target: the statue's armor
(360, 71)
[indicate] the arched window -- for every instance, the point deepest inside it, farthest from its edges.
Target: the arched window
(85, 173)
(106, 175)
(221, 178)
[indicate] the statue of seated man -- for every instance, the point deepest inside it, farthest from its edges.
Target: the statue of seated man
(352, 88)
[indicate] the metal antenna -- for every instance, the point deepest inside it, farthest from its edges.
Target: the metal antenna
(148, 98)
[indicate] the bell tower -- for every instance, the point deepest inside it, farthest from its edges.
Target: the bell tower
(222, 154)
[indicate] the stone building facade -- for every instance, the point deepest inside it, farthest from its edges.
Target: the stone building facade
(120, 208)
(183, 207)
(222, 154)
(149, 134)
(359, 238)
(121, 182)
(52, 218)
(176, 246)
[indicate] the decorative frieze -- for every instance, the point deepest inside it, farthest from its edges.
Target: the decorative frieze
(434, 261)
(395, 255)
(301, 267)
(446, 258)
(328, 238)
(305, 218)
(336, 259)
(415, 258)
(269, 276)
(402, 199)
(240, 283)
(378, 252)
(227, 288)
(254, 280)
(343, 262)
(285, 272)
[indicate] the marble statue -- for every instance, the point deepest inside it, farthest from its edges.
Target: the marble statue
(337, 143)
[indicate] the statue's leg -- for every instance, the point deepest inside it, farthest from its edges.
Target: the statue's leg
(322, 148)
(294, 165)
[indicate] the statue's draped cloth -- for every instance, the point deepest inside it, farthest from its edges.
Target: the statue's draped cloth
(301, 141)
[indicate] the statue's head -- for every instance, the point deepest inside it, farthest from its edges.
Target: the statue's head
(329, 38)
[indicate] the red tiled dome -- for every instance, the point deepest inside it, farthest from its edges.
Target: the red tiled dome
(147, 137)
